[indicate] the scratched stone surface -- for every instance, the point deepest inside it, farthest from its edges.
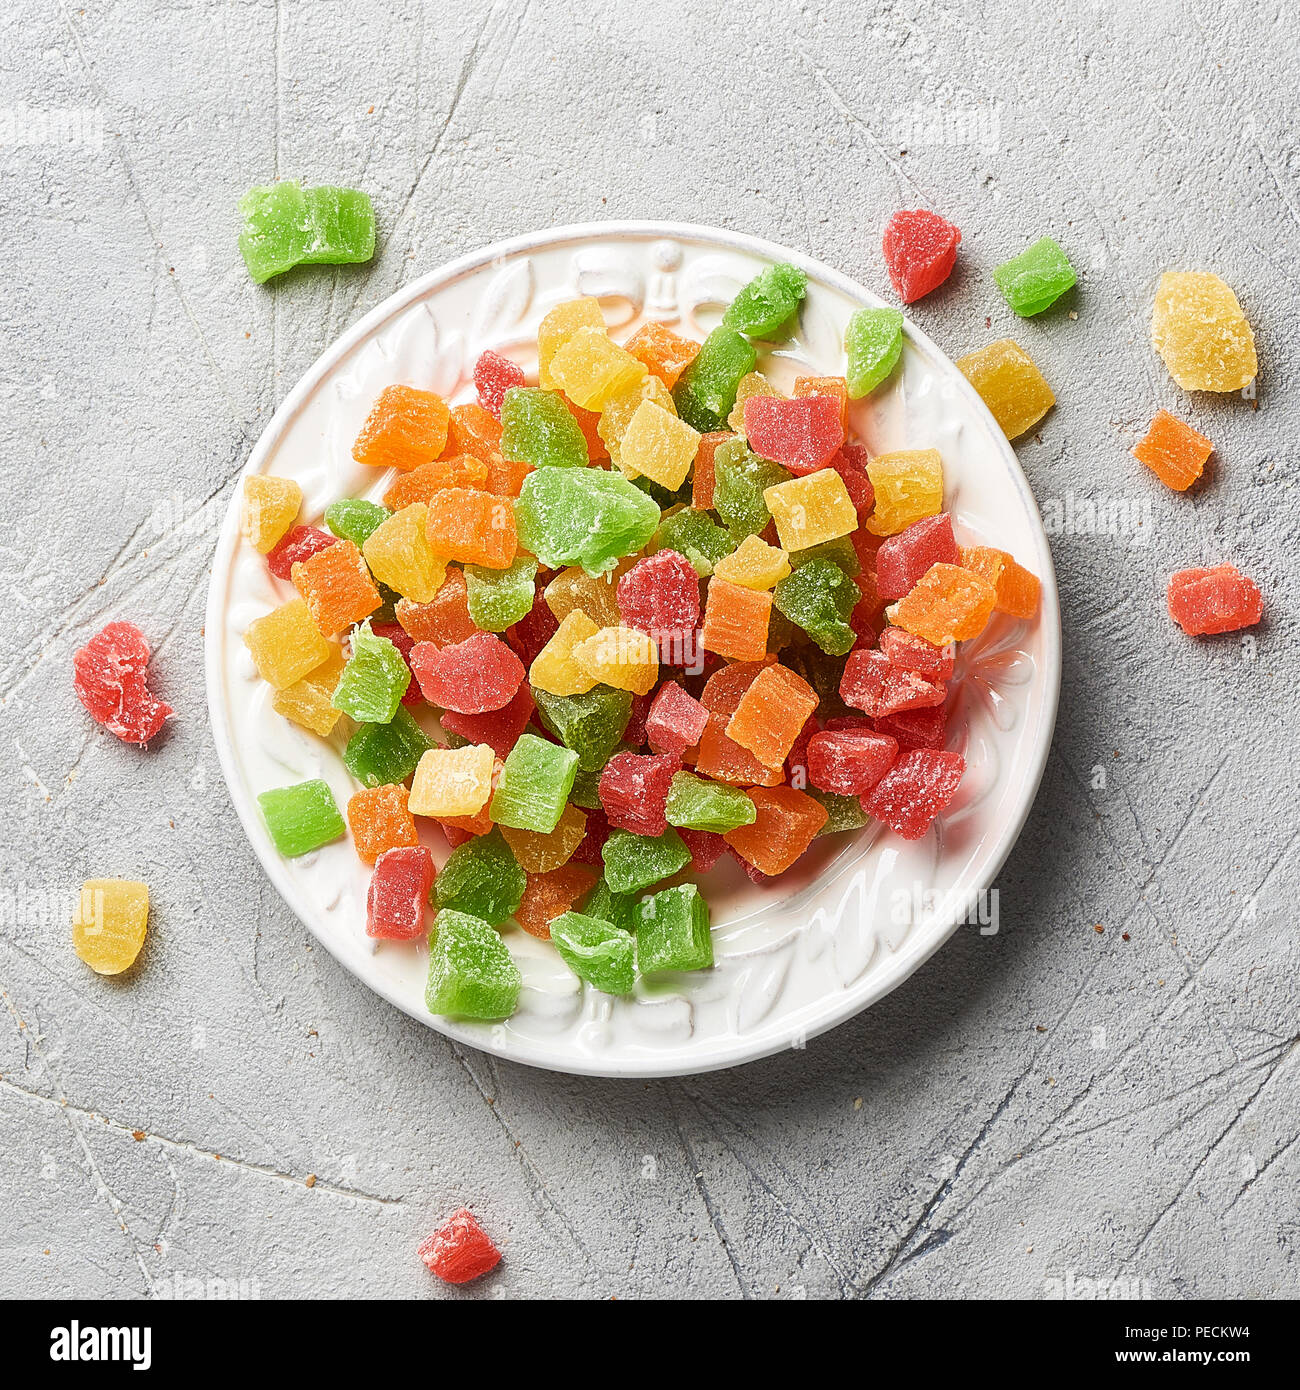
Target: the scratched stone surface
(1107, 1087)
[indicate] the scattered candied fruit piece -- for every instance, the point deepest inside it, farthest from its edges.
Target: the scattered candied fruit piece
(1017, 589)
(1173, 451)
(111, 677)
(1009, 383)
(1207, 601)
(920, 250)
(1201, 333)
(109, 923)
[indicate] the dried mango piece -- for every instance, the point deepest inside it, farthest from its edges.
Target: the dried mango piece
(1010, 385)
(559, 325)
(452, 781)
(555, 669)
(590, 368)
(286, 644)
(908, 486)
(109, 923)
(309, 701)
(269, 508)
(1200, 331)
(398, 555)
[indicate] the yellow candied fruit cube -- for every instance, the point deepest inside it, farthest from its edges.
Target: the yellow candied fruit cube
(270, 506)
(594, 595)
(1201, 333)
(909, 485)
(1010, 385)
(754, 565)
(286, 644)
(538, 853)
(812, 509)
(310, 701)
(623, 657)
(617, 412)
(591, 368)
(398, 554)
(452, 781)
(751, 384)
(558, 327)
(659, 446)
(109, 923)
(555, 668)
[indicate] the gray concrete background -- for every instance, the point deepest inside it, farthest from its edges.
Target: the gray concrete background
(1052, 1101)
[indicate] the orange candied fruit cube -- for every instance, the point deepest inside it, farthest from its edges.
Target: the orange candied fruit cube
(702, 477)
(665, 354)
(463, 470)
(725, 760)
(735, 621)
(337, 586)
(786, 823)
(947, 604)
(405, 427)
(379, 820)
(835, 386)
(506, 476)
(548, 895)
(588, 422)
(445, 619)
(1173, 451)
(476, 528)
(771, 714)
(473, 430)
(1017, 590)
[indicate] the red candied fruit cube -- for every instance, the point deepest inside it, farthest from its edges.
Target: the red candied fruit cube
(533, 631)
(873, 684)
(404, 642)
(802, 435)
(470, 677)
(399, 889)
(298, 543)
(460, 1250)
(849, 762)
(851, 464)
(920, 250)
(675, 720)
(796, 760)
(904, 558)
(915, 728)
(1206, 601)
(661, 595)
(494, 375)
(111, 677)
(634, 791)
(913, 792)
(498, 728)
(916, 654)
(705, 846)
(588, 851)
(634, 733)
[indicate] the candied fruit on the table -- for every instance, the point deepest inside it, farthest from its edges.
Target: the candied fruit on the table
(1036, 278)
(397, 553)
(268, 509)
(405, 427)
(285, 225)
(459, 1250)
(537, 428)
(559, 325)
(498, 599)
(660, 595)
(463, 470)
(664, 354)
(706, 391)
(1173, 451)
(337, 587)
(916, 654)
(380, 818)
(754, 565)
(285, 644)
(906, 555)
(476, 528)
(452, 782)
(353, 519)
(1207, 601)
(672, 930)
(475, 676)
(622, 657)
(634, 862)
(657, 445)
(445, 619)
(634, 791)
(297, 543)
(913, 792)
(1008, 382)
(374, 680)
(111, 677)
(849, 762)
(765, 306)
(735, 621)
(771, 714)
(596, 951)
(873, 342)
(583, 516)
(302, 817)
(551, 894)
(1201, 333)
(811, 510)
(481, 877)
(109, 923)
(533, 785)
(920, 250)
(309, 701)
(590, 723)
(908, 485)
(555, 669)
(696, 803)
(1016, 588)
(380, 753)
(471, 973)
(398, 892)
(590, 368)
(948, 604)
(802, 435)
(494, 375)
(786, 822)
(872, 683)
(819, 597)
(675, 720)
(538, 852)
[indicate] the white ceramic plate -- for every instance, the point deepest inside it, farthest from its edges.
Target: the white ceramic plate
(862, 911)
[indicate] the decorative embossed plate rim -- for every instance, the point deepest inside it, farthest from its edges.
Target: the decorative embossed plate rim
(877, 977)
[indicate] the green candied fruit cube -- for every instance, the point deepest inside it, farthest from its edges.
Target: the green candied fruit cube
(586, 789)
(302, 817)
(379, 755)
(471, 974)
(374, 680)
(287, 225)
(842, 812)
(354, 519)
(768, 303)
(839, 551)
(1036, 278)
(591, 724)
(672, 930)
(706, 391)
(608, 906)
(739, 481)
(596, 951)
(481, 877)
(697, 536)
(633, 862)
(534, 784)
(819, 597)
(498, 599)
(538, 428)
(695, 803)
(583, 516)
(873, 341)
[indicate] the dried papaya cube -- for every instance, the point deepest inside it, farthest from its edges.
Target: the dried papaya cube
(725, 760)
(949, 604)
(498, 599)
(660, 594)
(452, 781)
(1222, 599)
(820, 598)
(920, 249)
(269, 508)
(379, 753)
(1173, 451)
(915, 728)
(771, 714)
(461, 470)
(286, 644)
(471, 430)
(1017, 590)
(675, 720)
(634, 791)
(353, 519)
(405, 427)
(913, 792)
(398, 555)
(584, 516)
(754, 565)
(555, 669)
(399, 892)
(724, 688)
(735, 621)
(494, 375)
(471, 975)
(309, 701)
(659, 446)
(1201, 333)
(672, 930)
(374, 680)
(596, 951)
(590, 368)
(908, 486)
(1009, 383)
(786, 822)
(702, 472)
(836, 387)
(459, 1250)
(559, 325)
(337, 587)
(285, 225)
(751, 384)
(505, 477)
(906, 556)
(534, 784)
(380, 819)
(664, 354)
(622, 657)
(445, 618)
(476, 528)
(766, 305)
(482, 878)
(109, 923)
(802, 435)
(538, 852)
(550, 895)
(811, 510)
